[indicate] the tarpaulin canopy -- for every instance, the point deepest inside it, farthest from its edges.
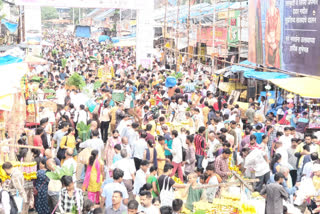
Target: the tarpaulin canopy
(237, 68)
(103, 38)
(264, 75)
(83, 31)
(12, 27)
(303, 86)
(6, 60)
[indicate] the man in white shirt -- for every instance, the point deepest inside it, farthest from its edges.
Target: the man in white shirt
(214, 145)
(127, 166)
(308, 167)
(138, 149)
(82, 115)
(125, 146)
(177, 154)
(146, 204)
(70, 162)
(256, 160)
(131, 132)
(286, 138)
(61, 95)
(141, 177)
(280, 149)
(95, 143)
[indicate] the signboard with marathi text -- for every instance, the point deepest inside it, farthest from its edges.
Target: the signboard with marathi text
(285, 35)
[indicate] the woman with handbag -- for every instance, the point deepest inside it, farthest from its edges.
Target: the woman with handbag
(40, 190)
(67, 141)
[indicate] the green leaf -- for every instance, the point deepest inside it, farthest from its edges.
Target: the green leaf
(97, 85)
(76, 80)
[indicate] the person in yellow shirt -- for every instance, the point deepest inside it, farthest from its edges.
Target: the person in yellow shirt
(69, 141)
(160, 154)
(113, 121)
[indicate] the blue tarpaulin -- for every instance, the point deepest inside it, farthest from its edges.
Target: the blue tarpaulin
(264, 75)
(115, 39)
(238, 68)
(103, 38)
(5, 60)
(12, 27)
(83, 31)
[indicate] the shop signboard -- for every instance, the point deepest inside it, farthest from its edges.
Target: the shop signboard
(285, 35)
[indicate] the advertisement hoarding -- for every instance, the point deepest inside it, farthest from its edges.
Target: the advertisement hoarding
(285, 35)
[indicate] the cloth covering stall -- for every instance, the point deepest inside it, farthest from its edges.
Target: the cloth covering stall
(304, 86)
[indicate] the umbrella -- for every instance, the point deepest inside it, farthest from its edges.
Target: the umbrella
(35, 60)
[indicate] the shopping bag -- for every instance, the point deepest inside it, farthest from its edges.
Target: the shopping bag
(166, 194)
(205, 163)
(19, 202)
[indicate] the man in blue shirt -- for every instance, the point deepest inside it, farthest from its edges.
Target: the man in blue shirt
(110, 188)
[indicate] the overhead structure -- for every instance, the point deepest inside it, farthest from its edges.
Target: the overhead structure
(145, 31)
(304, 86)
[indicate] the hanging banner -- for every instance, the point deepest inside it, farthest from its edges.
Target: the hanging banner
(205, 36)
(234, 24)
(285, 35)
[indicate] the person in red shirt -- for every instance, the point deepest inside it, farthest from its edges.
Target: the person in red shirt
(37, 138)
(253, 143)
(200, 144)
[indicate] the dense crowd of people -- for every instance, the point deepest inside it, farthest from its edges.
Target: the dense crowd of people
(158, 141)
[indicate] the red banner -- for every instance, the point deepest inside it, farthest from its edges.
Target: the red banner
(220, 36)
(206, 36)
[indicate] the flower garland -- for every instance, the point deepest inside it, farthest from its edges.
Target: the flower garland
(29, 170)
(233, 168)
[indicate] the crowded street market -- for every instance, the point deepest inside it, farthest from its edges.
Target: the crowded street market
(169, 107)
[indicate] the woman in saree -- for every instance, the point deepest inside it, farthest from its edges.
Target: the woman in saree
(109, 152)
(94, 177)
(41, 184)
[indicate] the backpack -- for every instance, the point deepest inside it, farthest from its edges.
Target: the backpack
(13, 205)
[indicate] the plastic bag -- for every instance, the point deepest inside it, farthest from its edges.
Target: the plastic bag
(205, 163)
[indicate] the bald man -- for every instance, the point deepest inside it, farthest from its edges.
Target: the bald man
(214, 144)
(125, 145)
(49, 155)
(70, 162)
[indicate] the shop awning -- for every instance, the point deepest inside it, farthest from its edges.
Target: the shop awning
(238, 68)
(6, 60)
(12, 27)
(303, 86)
(264, 75)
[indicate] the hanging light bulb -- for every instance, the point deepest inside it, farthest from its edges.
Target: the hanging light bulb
(267, 87)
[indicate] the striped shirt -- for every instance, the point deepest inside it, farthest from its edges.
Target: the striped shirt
(200, 144)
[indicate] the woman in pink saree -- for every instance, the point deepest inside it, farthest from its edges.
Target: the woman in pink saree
(94, 177)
